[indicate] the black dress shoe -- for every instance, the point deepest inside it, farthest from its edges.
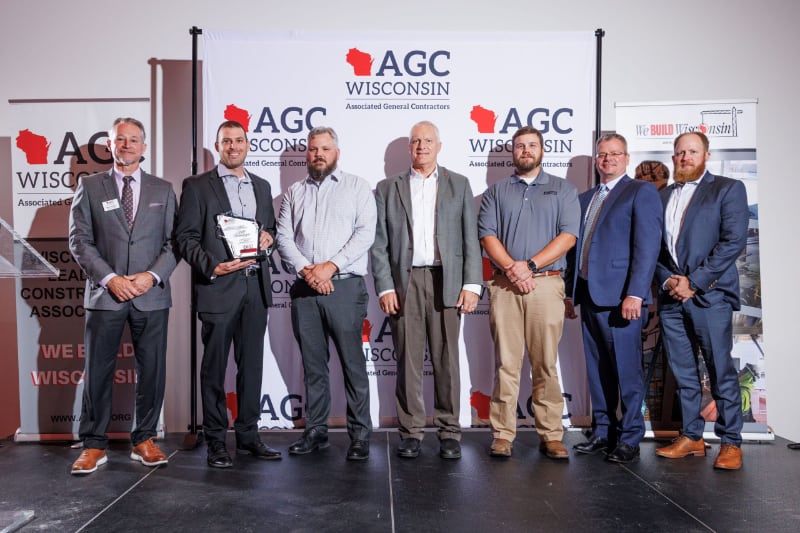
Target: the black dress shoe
(591, 447)
(409, 448)
(312, 439)
(793, 445)
(218, 455)
(358, 450)
(449, 449)
(624, 454)
(258, 450)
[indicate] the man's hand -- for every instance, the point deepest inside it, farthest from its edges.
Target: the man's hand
(520, 275)
(318, 276)
(467, 301)
(124, 289)
(569, 309)
(265, 240)
(631, 308)
(526, 285)
(517, 271)
(143, 281)
(389, 303)
(228, 267)
(679, 288)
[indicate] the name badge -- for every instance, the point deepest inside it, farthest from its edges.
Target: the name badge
(110, 205)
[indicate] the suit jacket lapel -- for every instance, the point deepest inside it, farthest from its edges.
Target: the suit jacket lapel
(611, 199)
(145, 196)
(692, 209)
(112, 191)
(219, 190)
(444, 192)
(404, 192)
(260, 193)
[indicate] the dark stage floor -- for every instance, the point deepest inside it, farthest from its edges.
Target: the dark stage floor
(323, 492)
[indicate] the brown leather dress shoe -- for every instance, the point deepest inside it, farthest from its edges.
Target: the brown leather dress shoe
(88, 461)
(553, 449)
(500, 448)
(683, 446)
(729, 458)
(148, 453)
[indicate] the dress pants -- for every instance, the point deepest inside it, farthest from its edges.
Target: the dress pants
(533, 321)
(684, 328)
(423, 315)
(340, 315)
(613, 350)
(102, 336)
(244, 325)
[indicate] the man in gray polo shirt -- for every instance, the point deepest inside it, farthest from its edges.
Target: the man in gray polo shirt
(526, 225)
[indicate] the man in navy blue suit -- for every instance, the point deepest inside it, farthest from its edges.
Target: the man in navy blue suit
(611, 274)
(705, 231)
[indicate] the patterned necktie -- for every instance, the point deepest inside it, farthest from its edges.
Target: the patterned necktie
(588, 228)
(127, 200)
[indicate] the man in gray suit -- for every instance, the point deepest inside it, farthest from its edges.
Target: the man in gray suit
(426, 261)
(120, 233)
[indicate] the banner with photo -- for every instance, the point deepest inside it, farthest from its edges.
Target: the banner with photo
(57, 143)
(730, 125)
(371, 88)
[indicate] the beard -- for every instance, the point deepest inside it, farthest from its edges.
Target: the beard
(131, 160)
(690, 174)
(319, 174)
(527, 164)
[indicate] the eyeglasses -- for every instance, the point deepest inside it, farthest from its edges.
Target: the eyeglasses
(609, 155)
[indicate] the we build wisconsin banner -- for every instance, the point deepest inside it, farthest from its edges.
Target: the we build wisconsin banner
(730, 125)
(57, 143)
(478, 88)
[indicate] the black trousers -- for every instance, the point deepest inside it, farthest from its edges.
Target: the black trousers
(243, 325)
(339, 316)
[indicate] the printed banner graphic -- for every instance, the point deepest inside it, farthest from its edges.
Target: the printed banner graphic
(371, 88)
(57, 143)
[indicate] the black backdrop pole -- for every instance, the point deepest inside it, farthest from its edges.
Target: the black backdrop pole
(599, 33)
(194, 437)
(195, 31)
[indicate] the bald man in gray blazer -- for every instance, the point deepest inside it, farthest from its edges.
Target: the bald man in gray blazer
(426, 262)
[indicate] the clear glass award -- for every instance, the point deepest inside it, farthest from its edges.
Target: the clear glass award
(241, 237)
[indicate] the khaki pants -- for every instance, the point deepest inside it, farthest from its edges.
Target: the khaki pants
(533, 321)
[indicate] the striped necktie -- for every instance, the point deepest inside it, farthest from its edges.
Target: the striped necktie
(588, 228)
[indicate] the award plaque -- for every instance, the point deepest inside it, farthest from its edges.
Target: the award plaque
(241, 237)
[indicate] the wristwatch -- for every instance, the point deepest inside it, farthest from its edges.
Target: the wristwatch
(692, 286)
(532, 266)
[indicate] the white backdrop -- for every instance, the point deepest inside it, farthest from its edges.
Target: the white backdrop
(372, 88)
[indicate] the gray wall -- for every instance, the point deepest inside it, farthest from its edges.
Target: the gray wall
(678, 50)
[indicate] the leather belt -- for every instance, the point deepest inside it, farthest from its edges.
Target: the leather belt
(427, 267)
(346, 275)
(542, 274)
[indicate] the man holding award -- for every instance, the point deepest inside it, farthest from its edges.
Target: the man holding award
(225, 226)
